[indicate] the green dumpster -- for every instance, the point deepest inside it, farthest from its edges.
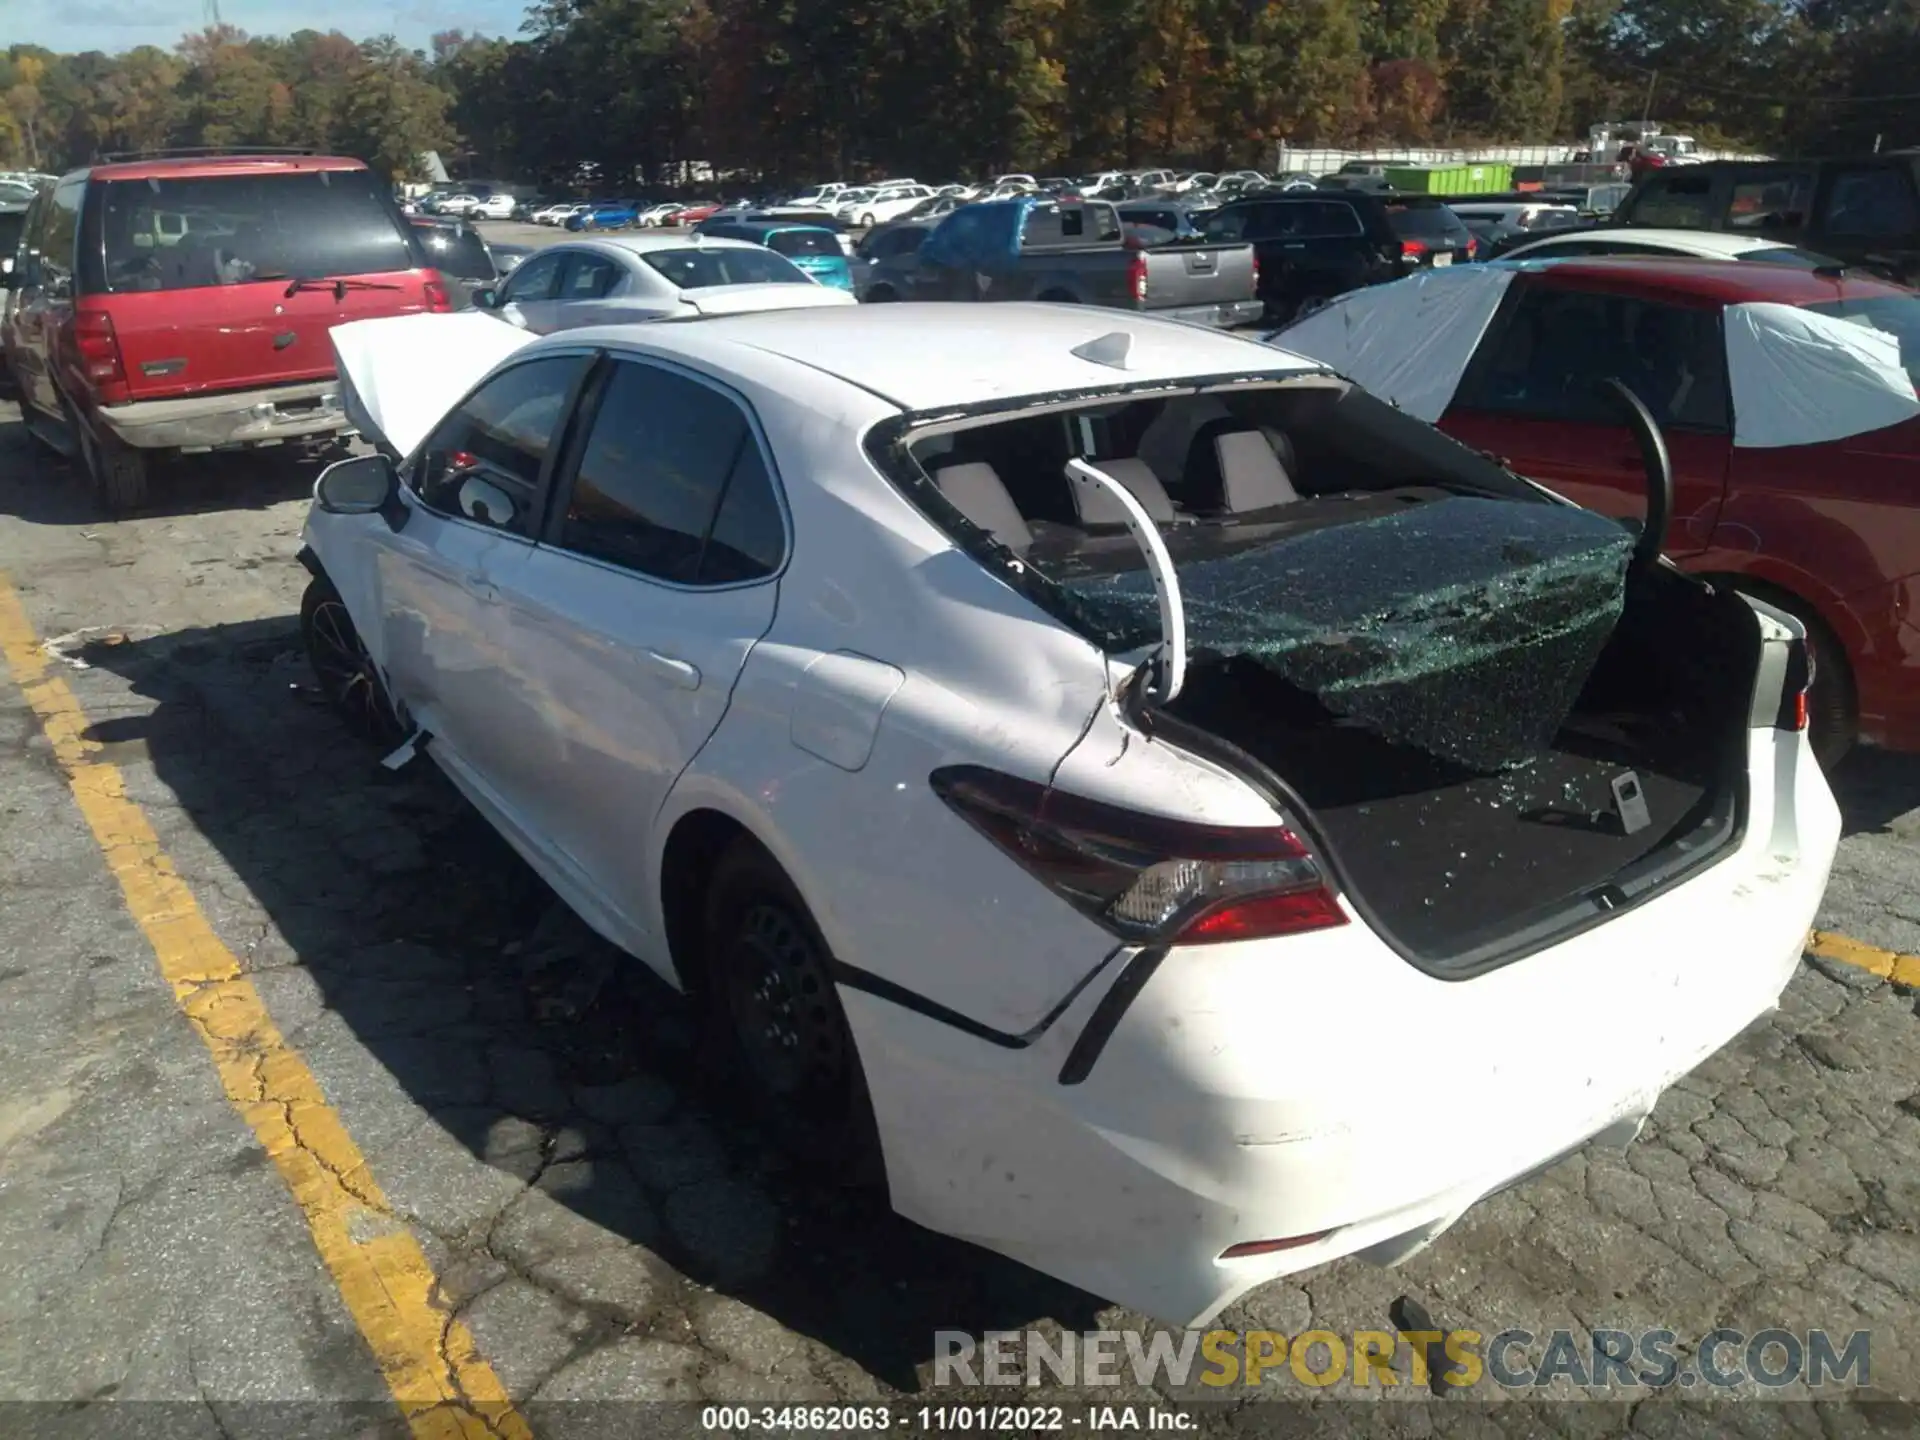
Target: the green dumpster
(1480, 178)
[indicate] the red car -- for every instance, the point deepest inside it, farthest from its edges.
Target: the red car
(1787, 400)
(693, 214)
(182, 304)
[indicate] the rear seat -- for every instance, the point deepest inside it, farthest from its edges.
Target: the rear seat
(1096, 505)
(975, 489)
(1233, 469)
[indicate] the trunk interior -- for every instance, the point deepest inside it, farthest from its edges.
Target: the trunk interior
(1462, 870)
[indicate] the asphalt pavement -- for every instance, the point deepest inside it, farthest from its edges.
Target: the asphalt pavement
(319, 1116)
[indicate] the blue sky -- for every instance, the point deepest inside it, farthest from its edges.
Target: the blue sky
(71, 25)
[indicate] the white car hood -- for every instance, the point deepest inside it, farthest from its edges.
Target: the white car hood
(399, 376)
(744, 299)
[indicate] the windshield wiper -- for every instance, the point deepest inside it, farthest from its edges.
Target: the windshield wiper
(340, 284)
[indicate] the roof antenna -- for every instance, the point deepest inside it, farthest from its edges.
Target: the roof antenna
(1110, 350)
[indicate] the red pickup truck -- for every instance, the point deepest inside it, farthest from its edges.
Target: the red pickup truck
(181, 303)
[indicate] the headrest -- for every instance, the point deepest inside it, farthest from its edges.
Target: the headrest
(976, 491)
(1097, 505)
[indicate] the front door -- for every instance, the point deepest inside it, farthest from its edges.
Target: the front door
(632, 621)
(530, 298)
(476, 506)
(1530, 395)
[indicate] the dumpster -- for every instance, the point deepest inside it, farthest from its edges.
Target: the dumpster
(1486, 178)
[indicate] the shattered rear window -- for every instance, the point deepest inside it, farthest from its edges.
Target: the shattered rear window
(1464, 627)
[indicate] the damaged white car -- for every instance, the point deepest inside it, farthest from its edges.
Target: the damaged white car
(1183, 819)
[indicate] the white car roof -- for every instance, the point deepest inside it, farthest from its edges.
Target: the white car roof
(641, 244)
(1701, 244)
(930, 356)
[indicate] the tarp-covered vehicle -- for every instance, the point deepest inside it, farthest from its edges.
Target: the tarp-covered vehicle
(1788, 402)
(1068, 753)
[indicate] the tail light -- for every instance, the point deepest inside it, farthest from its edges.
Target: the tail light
(1793, 690)
(438, 302)
(1256, 272)
(1412, 249)
(1473, 246)
(99, 349)
(1137, 278)
(1146, 878)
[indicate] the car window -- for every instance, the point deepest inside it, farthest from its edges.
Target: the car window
(692, 269)
(1425, 222)
(1328, 220)
(1677, 201)
(197, 231)
(803, 242)
(672, 484)
(1761, 202)
(1546, 360)
(898, 242)
(1877, 204)
(589, 277)
(499, 437)
(536, 279)
(457, 251)
(59, 229)
(1230, 224)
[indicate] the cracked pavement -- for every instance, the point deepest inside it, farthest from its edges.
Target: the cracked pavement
(533, 1112)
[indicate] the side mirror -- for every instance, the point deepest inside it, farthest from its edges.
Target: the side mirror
(360, 485)
(486, 298)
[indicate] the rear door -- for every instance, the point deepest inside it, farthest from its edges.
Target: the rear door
(585, 285)
(1529, 396)
(223, 282)
(630, 624)
(530, 298)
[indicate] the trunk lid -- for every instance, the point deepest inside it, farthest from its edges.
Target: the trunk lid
(745, 299)
(1192, 274)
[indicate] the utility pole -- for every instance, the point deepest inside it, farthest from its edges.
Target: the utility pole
(211, 11)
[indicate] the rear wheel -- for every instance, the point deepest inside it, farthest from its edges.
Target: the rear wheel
(116, 473)
(1059, 297)
(343, 669)
(881, 295)
(777, 1020)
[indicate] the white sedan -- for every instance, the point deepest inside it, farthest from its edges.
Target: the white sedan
(1020, 730)
(1651, 240)
(651, 277)
(887, 203)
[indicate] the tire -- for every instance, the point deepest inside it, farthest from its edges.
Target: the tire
(1058, 297)
(776, 1020)
(868, 222)
(344, 671)
(881, 295)
(116, 474)
(1833, 706)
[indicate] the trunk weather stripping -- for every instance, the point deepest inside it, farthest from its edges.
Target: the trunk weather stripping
(1169, 661)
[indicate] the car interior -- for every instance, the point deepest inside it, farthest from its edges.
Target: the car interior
(1217, 472)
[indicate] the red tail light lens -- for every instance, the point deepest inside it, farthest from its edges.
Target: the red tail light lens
(1147, 878)
(1256, 272)
(1137, 278)
(99, 348)
(1412, 249)
(1473, 246)
(437, 299)
(1794, 688)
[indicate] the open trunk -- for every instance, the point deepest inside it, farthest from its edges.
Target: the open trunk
(1460, 869)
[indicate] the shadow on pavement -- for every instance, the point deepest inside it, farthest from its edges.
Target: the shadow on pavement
(52, 491)
(497, 1011)
(1875, 787)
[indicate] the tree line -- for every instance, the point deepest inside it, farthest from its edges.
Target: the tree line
(789, 90)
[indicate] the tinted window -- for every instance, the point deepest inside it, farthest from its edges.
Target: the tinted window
(1425, 222)
(1874, 203)
(659, 475)
(1897, 315)
(803, 242)
(1548, 358)
(12, 224)
(1228, 224)
(182, 234)
(536, 279)
(499, 436)
(589, 278)
(695, 269)
(460, 253)
(1327, 219)
(903, 241)
(1677, 201)
(1761, 201)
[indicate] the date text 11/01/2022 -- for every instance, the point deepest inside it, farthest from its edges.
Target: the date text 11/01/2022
(988, 1418)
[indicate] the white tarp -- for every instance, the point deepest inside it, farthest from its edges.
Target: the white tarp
(399, 376)
(1408, 341)
(1801, 378)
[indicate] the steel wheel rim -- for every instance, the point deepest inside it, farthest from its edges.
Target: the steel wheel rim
(780, 999)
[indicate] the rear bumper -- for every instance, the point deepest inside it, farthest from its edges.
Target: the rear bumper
(1320, 1086)
(232, 417)
(1221, 316)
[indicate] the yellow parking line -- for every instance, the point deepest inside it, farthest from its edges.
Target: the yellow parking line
(443, 1386)
(1887, 964)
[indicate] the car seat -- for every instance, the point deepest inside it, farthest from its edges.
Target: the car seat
(1096, 505)
(1233, 468)
(975, 490)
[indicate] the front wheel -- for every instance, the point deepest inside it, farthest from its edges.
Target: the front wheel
(344, 670)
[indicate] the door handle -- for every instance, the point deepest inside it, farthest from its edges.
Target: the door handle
(480, 588)
(676, 671)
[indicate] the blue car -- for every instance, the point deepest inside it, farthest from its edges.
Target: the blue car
(606, 215)
(814, 248)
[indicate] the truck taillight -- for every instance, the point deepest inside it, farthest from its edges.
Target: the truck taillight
(1148, 879)
(99, 348)
(1412, 249)
(1137, 277)
(438, 301)
(1256, 272)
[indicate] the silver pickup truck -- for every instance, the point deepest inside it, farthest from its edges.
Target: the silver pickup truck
(1033, 248)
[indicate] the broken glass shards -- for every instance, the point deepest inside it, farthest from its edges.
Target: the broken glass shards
(1464, 627)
